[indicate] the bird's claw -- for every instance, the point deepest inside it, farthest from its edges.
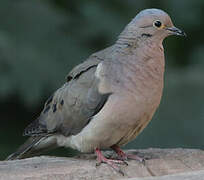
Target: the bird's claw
(111, 162)
(124, 157)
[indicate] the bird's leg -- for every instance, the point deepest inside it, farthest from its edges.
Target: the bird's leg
(111, 162)
(123, 156)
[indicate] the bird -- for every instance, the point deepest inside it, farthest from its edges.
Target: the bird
(108, 99)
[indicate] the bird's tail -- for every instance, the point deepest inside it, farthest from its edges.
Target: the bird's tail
(35, 145)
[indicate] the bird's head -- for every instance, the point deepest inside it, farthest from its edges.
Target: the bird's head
(151, 23)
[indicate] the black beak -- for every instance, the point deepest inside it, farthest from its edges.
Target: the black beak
(176, 31)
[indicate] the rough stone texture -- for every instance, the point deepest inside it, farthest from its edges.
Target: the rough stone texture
(194, 175)
(161, 162)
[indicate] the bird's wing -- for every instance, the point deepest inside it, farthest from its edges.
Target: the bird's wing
(72, 106)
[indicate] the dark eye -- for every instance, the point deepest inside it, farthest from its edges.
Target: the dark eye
(157, 24)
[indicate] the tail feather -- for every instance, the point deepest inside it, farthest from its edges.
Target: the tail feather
(35, 145)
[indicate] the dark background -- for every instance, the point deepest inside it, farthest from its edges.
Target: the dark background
(40, 41)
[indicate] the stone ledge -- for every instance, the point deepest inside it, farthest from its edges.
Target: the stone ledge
(194, 175)
(165, 164)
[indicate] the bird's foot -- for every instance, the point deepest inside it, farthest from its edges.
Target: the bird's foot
(124, 157)
(111, 162)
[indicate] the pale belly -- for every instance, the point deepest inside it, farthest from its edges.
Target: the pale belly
(119, 121)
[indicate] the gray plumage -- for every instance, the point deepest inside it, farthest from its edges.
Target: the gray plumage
(109, 98)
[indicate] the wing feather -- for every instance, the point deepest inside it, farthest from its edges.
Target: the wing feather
(72, 106)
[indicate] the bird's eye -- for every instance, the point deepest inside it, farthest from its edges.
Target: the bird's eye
(157, 24)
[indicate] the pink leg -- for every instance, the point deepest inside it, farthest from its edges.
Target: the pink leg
(123, 156)
(110, 162)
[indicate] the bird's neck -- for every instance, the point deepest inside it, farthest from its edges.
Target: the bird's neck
(125, 41)
(144, 57)
(145, 46)
(132, 40)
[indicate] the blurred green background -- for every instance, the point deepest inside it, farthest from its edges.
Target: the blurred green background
(40, 42)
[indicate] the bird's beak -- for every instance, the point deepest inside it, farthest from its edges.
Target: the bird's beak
(175, 31)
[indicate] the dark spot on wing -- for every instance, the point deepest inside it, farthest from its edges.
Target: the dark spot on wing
(79, 74)
(46, 109)
(54, 108)
(49, 100)
(62, 102)
(69, 78)
(35, 128)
